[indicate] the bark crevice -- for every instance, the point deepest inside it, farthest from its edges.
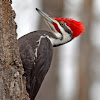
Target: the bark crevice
(12, 86)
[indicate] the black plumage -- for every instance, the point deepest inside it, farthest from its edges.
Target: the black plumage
(36, 48)
(36, 54)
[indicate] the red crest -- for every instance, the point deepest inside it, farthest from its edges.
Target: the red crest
(76, 27)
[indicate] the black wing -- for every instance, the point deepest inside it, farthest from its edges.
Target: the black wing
(43, 61)
(35, 71)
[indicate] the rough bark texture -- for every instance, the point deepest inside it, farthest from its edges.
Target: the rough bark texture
(11, 84)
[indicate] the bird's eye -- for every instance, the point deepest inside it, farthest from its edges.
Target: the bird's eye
(62, 24)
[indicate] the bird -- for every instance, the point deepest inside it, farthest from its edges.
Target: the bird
(36, 48)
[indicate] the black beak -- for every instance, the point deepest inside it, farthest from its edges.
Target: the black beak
(45, 16)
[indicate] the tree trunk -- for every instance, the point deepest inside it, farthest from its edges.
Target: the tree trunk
(11, 84)
(85, 52)
(48, 91)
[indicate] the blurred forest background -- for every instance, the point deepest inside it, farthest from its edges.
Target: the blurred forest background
(75, 69)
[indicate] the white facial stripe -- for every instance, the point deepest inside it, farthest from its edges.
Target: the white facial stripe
(51, 26)
(62, 37)
(66, 36)
(61, 29)
(68, 27)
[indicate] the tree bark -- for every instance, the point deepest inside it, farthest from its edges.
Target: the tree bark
(11, 83)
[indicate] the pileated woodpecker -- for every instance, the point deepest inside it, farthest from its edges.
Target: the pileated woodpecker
(36, 48)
